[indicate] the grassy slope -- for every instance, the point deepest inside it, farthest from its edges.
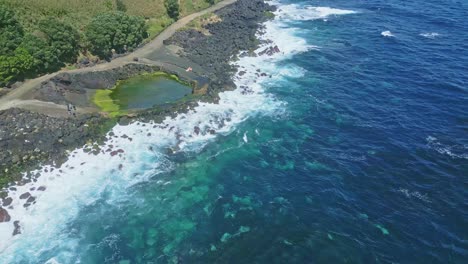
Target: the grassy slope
(79, 12)
(200, 22)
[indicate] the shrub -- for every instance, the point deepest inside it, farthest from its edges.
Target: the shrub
(11, 31)
(172, 7)
(62, 38)
(115, 30)
(24, 56)
(16, 66)
(120, 6)
(45, 57)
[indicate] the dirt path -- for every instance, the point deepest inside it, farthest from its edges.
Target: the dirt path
(16, 98)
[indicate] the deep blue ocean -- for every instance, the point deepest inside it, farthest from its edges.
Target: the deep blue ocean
(363, 159)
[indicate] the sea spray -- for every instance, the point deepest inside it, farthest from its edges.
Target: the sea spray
(295, 12)
(139, 152)
(136, 153)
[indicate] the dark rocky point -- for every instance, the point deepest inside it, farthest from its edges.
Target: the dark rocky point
(7, 201)
(4, 216)
(17, 229)
(28, 139)
(25, 195)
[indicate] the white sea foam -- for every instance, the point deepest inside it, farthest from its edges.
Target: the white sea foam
(414, 194)
(457, 151)
(430, 35)
(136, 153)
(387, 34)
(303, 13)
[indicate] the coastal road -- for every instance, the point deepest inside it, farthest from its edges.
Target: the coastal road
(16, 98)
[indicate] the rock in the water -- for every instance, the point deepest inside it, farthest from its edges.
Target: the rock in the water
(7, 201)
(17, 230)
(4, 216)
(25, 195)
(115, 152)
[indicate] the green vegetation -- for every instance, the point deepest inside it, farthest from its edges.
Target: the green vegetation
(115, 31)
(11, 32)
(103, 100)
(269, 15)
(188, 7)
(16, 65)
(157, 25)
(23, 55)
(120, 6)
(62, 39)
(200, 23)
(79, 13)
(172, 7)
(42, 36)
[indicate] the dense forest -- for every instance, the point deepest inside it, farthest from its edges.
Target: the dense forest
(43, 36)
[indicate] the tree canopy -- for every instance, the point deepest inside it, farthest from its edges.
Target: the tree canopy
(115, 31)
(45, 59)
(62, 38)
(172, 7)
(11, 31)
(44, 44)
(16, 66)
(25, 55)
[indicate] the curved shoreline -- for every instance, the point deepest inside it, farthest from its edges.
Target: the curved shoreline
(89, 124)
(34, 132)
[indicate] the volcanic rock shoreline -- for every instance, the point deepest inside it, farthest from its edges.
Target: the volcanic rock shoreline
(29, 140)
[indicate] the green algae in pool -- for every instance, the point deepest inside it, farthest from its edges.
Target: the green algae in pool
(140, 92)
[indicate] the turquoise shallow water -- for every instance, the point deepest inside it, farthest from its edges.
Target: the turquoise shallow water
(365, 159)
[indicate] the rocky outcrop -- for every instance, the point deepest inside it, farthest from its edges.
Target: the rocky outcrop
(269, 51)
(58, 88)
(17, 228)
(7, 201)
(28, 138)
(235, 32)
(4, 216)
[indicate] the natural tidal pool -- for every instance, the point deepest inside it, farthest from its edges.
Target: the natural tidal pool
(141, 92)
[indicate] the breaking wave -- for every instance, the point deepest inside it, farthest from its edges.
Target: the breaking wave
(303, 13)
(40, 210)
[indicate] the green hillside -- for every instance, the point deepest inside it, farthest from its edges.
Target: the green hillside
(42, 36)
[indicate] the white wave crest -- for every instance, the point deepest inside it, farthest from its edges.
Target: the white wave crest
(135, 153)
(303, 13)
(387, 34)
(431, 35)
(414, 194)
(454, 151)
